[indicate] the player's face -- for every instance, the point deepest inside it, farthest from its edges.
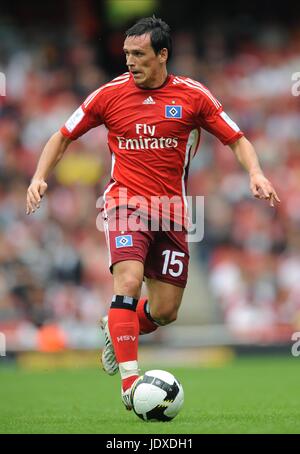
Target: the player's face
(147, 68)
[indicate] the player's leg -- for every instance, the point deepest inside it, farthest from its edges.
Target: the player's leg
(146, 325)
(123, 321)
(127, 251)
(163, 303)
(166, 270)
(122, 317)
(164, 300)
(146, 322)
(122, 329)
(160, 307)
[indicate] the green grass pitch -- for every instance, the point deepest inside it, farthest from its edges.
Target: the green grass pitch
(248, 396)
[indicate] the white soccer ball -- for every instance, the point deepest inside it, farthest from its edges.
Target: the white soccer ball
(157, 396)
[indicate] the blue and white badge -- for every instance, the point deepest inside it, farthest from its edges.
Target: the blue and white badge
(123, 241)
(173, 112)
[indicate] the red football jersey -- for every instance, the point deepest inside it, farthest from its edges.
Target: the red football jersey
(152, 134)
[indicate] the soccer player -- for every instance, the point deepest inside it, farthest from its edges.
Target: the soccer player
(154, 121)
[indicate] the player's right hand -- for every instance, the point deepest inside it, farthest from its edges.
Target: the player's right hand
(35, 192)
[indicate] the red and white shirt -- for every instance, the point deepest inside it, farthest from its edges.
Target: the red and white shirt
(152, 133)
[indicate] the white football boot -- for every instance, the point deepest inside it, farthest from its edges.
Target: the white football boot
(109, 362)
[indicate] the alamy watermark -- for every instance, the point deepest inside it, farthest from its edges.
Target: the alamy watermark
(296, 346)
(2, 344)
(296, 86)
(2, 84)
(156, 213)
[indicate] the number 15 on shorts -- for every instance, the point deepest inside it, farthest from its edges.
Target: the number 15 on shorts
(172, 262)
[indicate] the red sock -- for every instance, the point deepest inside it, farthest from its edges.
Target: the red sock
(124, 330)
(147, 325)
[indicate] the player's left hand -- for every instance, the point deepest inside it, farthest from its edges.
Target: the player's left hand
(262, 188)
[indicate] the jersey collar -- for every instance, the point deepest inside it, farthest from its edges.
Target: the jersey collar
(169, 78)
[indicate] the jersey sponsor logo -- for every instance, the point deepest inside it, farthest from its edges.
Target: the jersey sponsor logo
(230, 122)
(173, 112)
(149, 100)
(147, 143)
(152, 142)
(74, 119)
(124, 241)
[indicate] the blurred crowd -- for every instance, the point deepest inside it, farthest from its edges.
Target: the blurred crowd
(53, 264)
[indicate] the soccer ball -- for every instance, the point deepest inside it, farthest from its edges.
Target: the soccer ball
(157, 396)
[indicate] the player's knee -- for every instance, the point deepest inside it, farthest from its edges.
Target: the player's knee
(129, 285)
(164, 317)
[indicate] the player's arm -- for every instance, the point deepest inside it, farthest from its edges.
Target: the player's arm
(211, 116)
(51, 154)
(86, 117)
(260, 186)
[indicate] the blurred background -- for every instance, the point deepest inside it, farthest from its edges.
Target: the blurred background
(244, 286)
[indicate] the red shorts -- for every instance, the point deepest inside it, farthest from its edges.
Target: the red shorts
(165, 254)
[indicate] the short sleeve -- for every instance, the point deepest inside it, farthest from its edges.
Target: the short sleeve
(211, 117)
(87, 116)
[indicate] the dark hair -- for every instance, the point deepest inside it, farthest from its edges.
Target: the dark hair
(159, 33)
